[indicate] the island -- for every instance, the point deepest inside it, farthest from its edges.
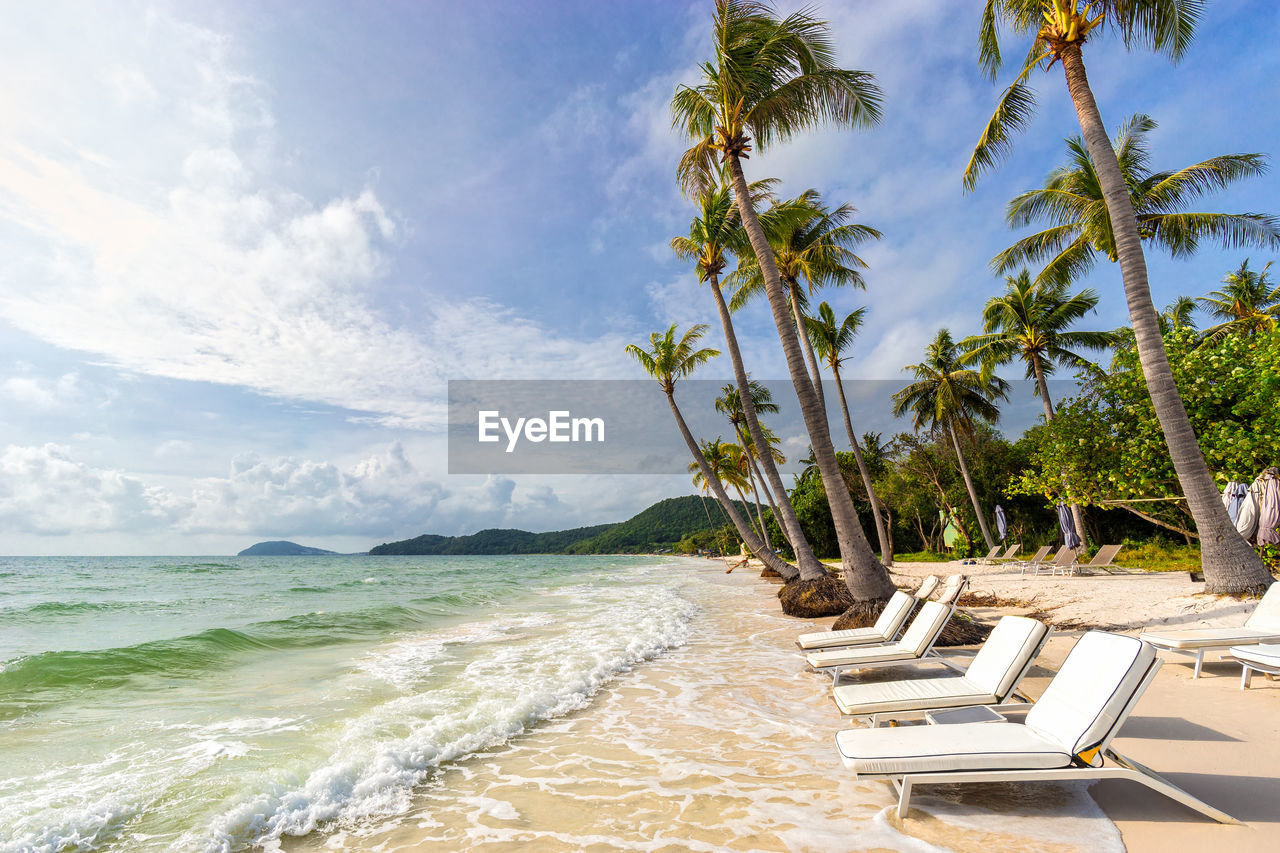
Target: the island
(281, 548)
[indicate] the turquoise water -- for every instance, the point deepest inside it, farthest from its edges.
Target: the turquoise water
(221, 703)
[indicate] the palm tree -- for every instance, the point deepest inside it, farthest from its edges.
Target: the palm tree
(1059, 30)
(832, 340)
(716, 231)
(1031, 321)
(1071, 203)
(724, 459)
(769, 79)
(948, 396)
(668, 360)
(813, 248)
(1248, 304)
(729, 404)
(1179, 313)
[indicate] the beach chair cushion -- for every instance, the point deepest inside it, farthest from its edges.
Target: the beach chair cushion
(1006, 655)
(1191, 639)
(948, 748)
(1266, 656)
(914, 643)
(1093, 692)
(927, 586)
(955, 585)
(915, 694)
(891, 618)
(1266, 616)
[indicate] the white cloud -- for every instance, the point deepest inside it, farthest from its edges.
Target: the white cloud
(44, 490)
(192, 262)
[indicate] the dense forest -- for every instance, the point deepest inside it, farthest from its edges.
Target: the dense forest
(664, 525)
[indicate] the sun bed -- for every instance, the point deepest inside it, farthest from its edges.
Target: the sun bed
(1066, 736)
(1036, 559)
(916, 644)
(1064, 560)
(990, 555)
(1105, 559)
(1263, 657)
(891, 620)
(1262, 626)
(1007, 557)
(992, 678)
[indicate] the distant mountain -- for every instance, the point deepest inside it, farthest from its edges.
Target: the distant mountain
(660, 526)
(492, 541)
(280, 548)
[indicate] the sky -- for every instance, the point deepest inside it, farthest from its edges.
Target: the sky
(244, 246)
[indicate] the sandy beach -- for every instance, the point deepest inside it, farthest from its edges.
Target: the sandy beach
(727, 744)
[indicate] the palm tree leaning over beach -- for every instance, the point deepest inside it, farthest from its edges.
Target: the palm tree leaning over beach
(1059, 30)
(724, 458)
(1072, 204)
(769, 79)
(813, 248)
(1248, 304)
(947, 396)
(1031, 321)
(832, 340)
(715, 232)
(729, 404)
(668, 361)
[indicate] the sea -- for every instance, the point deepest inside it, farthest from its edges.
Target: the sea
(213, 704)
(356, 703)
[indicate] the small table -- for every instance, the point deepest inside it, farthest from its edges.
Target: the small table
(973, 714)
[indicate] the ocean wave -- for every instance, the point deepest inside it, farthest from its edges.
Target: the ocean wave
(72, 608)
(385, 752)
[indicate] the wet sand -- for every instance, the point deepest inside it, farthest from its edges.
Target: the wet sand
(723, 744)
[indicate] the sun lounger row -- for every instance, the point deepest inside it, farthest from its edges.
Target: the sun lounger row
(1066, 734)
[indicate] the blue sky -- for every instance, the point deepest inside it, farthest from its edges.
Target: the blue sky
(243, 246)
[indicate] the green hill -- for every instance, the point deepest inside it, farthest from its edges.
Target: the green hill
(660, 526)
(663, 524)
(492, 541)
(281, 548)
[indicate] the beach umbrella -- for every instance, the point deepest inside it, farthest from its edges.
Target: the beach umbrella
(1233, 497)
(1002, 523)
(1069, 536)
(1268, 506)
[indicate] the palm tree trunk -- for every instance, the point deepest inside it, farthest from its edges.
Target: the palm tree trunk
(807, 345)
(1077, 516)
(1230, 564)
(751, 478)
(773, 507)
(865, 577)
(886, 545)
(973, 493)
(756, 547)
(808, 564)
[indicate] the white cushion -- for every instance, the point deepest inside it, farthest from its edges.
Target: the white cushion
(916, 694)
(1266, 616)
(1206, 638)
(1093, 692)
(927, 586)
(1265, 656)
(935, 749)
(833, 639)
(859, 656)
(891, 619)
(925, 628)
(894, 613)
(1006, 655)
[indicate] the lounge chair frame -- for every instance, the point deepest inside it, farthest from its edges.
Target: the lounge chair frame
(1126, 768)
(1252, 666)
(929, 655)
